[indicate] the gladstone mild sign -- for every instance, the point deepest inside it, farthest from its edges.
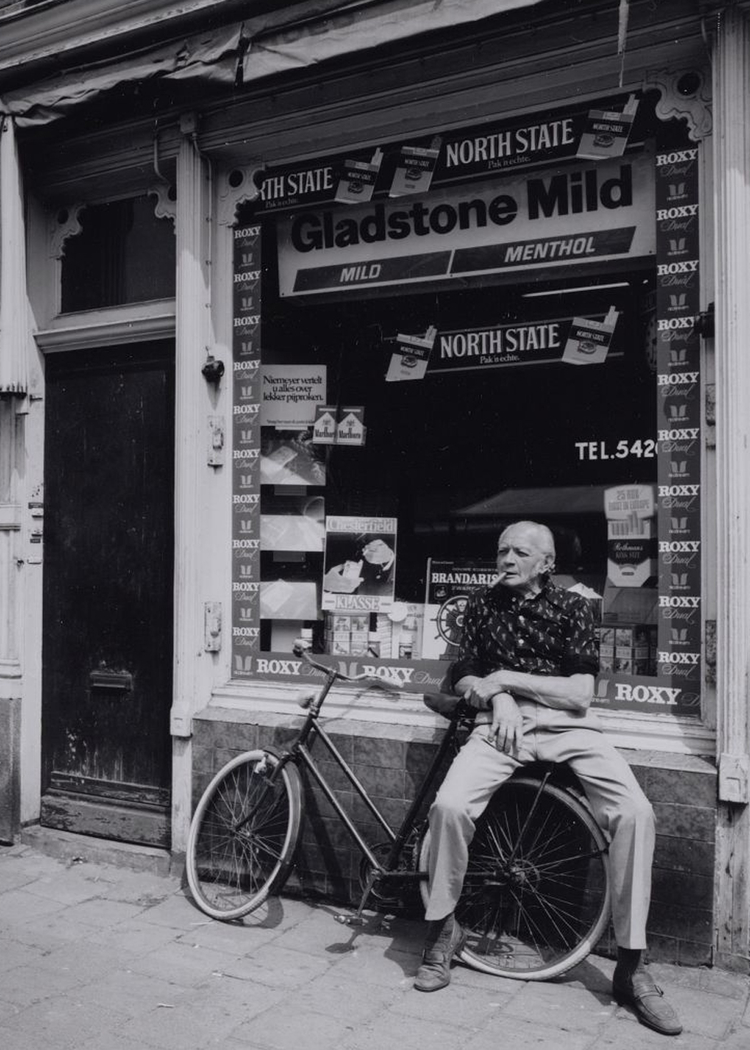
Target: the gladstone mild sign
(582, 212)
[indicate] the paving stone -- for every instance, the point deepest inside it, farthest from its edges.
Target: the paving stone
(566, 1007)
(102, 912)
(184, 964)
(458, 1005)
(376, 967)
(410, 1034)
(19, 907)
(62, 1022)
(277, 967)
(135, 937)
(228, 937)
(15, 954)
(181, 1027)
(131, 993)
(54, 931)
(33, 984)
(515, 1032)
(331, 995)
(290, 1030)
(702, 1013)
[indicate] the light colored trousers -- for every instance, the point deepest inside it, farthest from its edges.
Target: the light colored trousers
(620, 808)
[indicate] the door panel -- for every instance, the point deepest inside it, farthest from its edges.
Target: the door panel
(108, 574)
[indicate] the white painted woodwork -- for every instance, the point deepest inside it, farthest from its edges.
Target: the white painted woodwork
(732, 195)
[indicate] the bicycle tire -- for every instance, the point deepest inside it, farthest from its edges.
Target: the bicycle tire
(244, 834)
(533, 905)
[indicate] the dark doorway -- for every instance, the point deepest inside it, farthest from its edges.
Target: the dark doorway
(108, 576)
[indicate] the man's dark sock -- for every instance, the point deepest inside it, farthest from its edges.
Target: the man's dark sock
(628, 960)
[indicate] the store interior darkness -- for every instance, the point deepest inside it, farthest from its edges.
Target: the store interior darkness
(459, 454)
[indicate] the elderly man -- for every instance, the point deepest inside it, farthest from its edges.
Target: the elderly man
(527, 663)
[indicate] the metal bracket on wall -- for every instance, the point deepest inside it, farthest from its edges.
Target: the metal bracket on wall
(734, 775)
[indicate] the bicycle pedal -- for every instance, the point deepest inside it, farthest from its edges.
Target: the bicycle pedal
(349, 920)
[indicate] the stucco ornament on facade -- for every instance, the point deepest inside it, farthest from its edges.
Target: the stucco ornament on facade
(64, 223)
(684, 95)
(236, 187)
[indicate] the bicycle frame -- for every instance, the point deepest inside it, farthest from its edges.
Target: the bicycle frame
(300, 750)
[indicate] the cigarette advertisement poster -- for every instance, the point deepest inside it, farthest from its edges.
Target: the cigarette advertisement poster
(360, 564)
(449, 584)
(290, 458)
(598, 129)
(587, 212)
(290, 394)
(547, 341)
(293, 523)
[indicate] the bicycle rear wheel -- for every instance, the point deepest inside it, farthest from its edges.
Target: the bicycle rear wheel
(243, 834)
(535, 898)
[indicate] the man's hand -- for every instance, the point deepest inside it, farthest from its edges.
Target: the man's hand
(482, 690)
(507, 724)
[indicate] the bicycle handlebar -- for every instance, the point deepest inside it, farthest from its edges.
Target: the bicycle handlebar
(302, 653)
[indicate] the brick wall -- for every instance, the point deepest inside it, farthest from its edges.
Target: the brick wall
(391, 760)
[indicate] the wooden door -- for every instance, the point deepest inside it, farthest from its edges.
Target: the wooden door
(108, 574)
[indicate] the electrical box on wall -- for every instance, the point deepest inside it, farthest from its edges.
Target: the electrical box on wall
(215, 441)
(212, 627)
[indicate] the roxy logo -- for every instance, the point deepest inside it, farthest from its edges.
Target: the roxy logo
(678, 378)
(679, 546)
(679, 601)
(667, 491)
(684, 156)
(646, 694)
(679, 434)
(684, 211)
(691, 659)
(670, 324)
(667, 269)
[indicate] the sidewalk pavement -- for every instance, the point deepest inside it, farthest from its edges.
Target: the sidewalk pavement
(96, 956)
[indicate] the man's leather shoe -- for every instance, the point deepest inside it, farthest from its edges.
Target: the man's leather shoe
(640, 991)
(434, 973)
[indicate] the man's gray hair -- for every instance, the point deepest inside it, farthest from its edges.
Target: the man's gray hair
(546, 539)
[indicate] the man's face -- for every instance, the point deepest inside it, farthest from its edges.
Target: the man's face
(521, 559)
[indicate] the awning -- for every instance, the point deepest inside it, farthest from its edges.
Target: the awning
(538, 502)
(291, 38)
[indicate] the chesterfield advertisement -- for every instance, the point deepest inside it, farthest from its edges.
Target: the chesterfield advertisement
(589, 212)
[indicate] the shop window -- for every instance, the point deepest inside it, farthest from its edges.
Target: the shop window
(447, 461)
(123, 254)
(389, 424)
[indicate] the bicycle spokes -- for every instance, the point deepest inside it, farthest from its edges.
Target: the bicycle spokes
(536, 888)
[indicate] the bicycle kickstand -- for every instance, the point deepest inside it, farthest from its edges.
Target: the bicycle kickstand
(357, 919)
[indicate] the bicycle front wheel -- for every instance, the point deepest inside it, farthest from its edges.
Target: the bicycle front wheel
(535, 897)
(243, 834)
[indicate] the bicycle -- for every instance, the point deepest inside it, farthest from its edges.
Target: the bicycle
(536, 895)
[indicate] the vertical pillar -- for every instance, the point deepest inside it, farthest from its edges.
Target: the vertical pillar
(193, 333)
(14, 335)
(732, 264)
